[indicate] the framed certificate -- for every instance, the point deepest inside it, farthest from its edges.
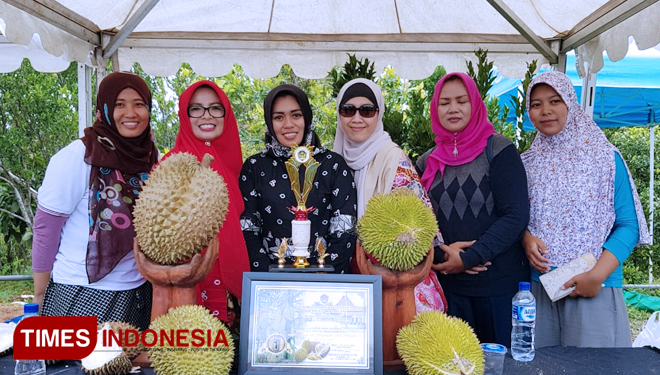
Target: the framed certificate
(310, 323)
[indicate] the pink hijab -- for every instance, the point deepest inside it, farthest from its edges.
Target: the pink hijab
(470, 142)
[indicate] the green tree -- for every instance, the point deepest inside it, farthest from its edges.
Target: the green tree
(38, 116)
(634, 146)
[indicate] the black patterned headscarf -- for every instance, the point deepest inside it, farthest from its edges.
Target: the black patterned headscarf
(119, 167)
(309, 137)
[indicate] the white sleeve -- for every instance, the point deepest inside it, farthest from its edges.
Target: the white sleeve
(66, 180)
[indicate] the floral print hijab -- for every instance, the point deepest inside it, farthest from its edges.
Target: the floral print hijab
(570, 176)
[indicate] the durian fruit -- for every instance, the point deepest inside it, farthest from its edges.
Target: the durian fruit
(181, 207)
(190, 360)
(435, 343)
(106, 360)
(397, 229)
(120, 328)
(6, 337)
(301, 354)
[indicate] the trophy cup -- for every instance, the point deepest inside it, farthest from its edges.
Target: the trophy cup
(300, 225)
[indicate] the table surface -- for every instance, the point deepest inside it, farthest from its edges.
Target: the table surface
(548, 361)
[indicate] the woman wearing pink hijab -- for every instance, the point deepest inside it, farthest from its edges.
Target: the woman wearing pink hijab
(478, 187)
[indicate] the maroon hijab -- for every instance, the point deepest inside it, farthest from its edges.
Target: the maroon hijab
(119, 167)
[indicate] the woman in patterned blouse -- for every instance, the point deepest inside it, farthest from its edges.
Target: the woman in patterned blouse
(378, 164)
(267, 193)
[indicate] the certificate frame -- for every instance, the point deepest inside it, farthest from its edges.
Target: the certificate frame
(292, 310)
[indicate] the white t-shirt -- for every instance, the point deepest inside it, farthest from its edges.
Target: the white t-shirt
(65, 190)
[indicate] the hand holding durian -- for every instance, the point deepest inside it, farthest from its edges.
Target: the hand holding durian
(181, 275)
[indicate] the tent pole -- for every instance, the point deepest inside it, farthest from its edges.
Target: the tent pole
(651, 194)
(84, 98)
(588, 93)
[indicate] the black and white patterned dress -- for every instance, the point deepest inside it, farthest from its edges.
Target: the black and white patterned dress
(267, 193)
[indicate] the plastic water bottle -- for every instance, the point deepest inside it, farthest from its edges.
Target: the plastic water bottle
(523, 319)
(30, 366)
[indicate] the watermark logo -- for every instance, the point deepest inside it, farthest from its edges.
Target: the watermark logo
(65, 337)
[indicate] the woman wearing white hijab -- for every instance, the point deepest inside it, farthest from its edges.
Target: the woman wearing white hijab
(378, 164)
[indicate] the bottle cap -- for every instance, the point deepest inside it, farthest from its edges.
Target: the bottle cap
(494, 348)
(31, 308)
(523, 285)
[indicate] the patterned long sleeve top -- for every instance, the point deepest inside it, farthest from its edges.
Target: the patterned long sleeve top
(267, 194)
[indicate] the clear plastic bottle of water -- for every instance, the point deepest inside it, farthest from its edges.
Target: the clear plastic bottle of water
(523, 319)
(28, 366)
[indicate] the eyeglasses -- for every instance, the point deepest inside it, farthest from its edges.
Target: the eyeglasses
(366, 110)
(196, 111)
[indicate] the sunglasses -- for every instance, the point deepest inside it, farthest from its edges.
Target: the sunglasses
(366, 110)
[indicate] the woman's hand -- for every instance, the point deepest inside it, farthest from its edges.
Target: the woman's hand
(535, 249)
(453, 262)
(478, 268)
(586, 284)
(181, 275)
(589, 284)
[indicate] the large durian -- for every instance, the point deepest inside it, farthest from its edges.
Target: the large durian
(205, 360)
(397, 229)
(181, 207)
(435, 343)
(106, 360)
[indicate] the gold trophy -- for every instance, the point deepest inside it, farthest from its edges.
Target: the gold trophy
(320, 249)
(281, 253)
(300, 225)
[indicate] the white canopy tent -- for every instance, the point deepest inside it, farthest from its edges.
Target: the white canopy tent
(414, 36)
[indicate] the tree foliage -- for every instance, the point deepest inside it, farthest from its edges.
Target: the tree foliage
(37, 117)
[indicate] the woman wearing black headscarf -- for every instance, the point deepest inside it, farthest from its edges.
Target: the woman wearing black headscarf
(267, 193)
(82, 255)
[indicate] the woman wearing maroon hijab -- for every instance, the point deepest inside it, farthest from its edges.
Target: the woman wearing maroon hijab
(83, 232)
(208, 126)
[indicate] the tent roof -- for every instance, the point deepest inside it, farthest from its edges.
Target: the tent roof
(414, 36)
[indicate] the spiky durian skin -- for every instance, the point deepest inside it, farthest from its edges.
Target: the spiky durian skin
(180, 209)
(397, 229)
(121, 328)
(428, 344)
(118, 366)
(191, 361)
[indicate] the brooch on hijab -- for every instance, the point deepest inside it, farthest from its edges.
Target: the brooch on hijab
(455, 153)
(207, 143)
(106, 142)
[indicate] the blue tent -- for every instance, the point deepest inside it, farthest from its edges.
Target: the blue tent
(627, 92)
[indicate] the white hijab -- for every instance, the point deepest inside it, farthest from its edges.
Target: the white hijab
(359, 155)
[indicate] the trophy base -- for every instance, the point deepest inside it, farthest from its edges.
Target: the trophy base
(301, 262)
(309, 269)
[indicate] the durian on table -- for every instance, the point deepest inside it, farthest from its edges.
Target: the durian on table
(205, 360)
(180, 209)
(397, 229)
(435, 343)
